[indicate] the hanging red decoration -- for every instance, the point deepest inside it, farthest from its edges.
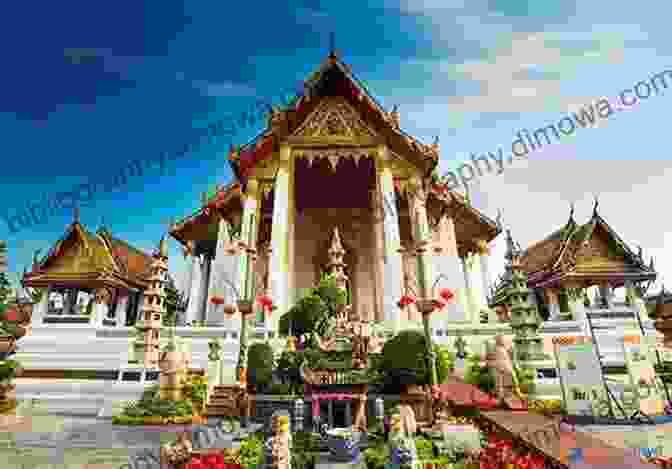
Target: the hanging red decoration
(11, 315)
(405, 301)
(266, 302)
(447, 295)
(217, 300)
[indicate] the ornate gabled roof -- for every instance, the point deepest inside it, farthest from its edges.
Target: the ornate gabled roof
(571, 239)
(332, 83)
(100, 258)
(333, 78)
(130, 260)
(557, 254)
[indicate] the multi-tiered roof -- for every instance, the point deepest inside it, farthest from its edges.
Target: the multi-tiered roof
(97, 259)
(333, 83)
(581, 255)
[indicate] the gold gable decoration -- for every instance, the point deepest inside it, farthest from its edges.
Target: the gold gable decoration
(334, 117)
(334, 155)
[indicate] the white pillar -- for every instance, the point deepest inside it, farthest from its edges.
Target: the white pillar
(205, 278)
(279, 269)
(448, 267)
(214, 315)
(194, 290)
(100, 308)
(393, 272)
(485, 273)
(40, 308)
(122, 306)
(476, 287)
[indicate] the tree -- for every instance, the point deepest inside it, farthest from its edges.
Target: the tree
(5, 287)
(174, 302)
(312, 313)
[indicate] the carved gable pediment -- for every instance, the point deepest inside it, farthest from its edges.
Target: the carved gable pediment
(334, 117)
(596, 252)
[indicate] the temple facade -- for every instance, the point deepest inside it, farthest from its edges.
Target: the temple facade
(336, 160)
(89, 278)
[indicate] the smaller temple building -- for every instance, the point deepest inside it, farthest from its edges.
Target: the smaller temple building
(89, 278)
(576, 268)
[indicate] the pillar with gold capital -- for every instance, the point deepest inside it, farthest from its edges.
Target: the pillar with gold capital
(279, 262)
(392, 269)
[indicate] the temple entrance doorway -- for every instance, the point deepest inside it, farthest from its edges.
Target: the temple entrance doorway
(335, 413)
(326, 198)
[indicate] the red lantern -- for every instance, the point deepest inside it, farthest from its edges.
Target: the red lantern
(217, 300)
(405, 301)
(447, 295)
(266, 302)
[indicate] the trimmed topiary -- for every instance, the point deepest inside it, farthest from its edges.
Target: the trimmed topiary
(405, 358)
(260, 365)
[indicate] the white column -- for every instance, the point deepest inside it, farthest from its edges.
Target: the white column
(218, 275)
(476, 287)
(448, 268)
(195, 290)
(122, 306)
(279, 270)
(485, 273)
(40, 308)
(467, 285)
(205, 277)
(100, 308)
(393, 272)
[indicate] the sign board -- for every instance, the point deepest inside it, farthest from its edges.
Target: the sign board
(580, 376)
(639, 357)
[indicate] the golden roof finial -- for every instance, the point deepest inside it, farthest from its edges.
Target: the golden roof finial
(76, 213)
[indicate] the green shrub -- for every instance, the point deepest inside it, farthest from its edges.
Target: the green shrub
(404, 358)
(252, 451)
(152, 405)
(445, 362)
(425, 448)
(196, 390)
(479, 376)
(260, 365)
(377, 457)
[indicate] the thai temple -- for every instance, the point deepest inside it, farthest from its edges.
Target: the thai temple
(335, 163)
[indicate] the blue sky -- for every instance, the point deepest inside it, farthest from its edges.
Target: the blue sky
(87, 87)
